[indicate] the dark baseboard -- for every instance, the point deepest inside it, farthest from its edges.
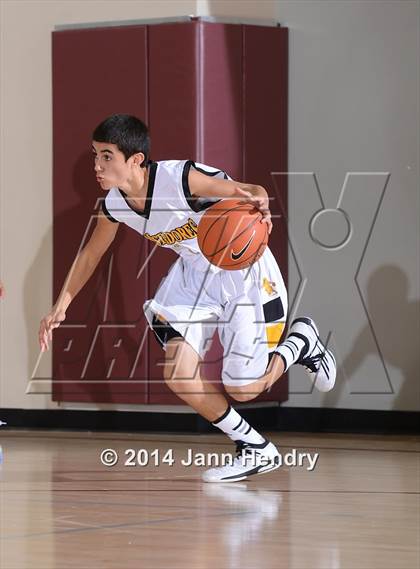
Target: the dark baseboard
(126, 421)
(292, 419)
(324, 420)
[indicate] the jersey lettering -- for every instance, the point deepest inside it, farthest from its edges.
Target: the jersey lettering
(186, 231)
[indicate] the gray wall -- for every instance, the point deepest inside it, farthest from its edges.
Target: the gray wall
(354, 109)
(354, 120)
(354, 95)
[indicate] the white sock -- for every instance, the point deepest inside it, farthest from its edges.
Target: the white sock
(290, 350)
(236, 428)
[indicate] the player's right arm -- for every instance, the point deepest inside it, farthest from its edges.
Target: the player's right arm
(81, 270)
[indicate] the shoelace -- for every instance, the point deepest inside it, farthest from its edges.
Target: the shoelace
(242, 448)
(311, 362)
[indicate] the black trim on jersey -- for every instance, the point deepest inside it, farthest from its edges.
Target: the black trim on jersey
(150, 187)
(273, 310)
(198, 204)
(107, 214)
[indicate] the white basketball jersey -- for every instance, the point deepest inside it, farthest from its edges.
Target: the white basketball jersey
(171, 214)
(248, 307)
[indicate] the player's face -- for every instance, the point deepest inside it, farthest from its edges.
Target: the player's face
(111, 168)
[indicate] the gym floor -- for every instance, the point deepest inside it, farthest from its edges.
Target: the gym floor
(358, 507)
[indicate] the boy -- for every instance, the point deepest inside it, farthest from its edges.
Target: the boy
(164, 201)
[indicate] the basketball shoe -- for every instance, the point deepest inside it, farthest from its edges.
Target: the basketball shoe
(250, 459)
(318, 361)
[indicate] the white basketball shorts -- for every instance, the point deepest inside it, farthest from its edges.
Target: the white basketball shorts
(248, 308)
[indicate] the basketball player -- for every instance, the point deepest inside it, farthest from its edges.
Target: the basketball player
(164, 201)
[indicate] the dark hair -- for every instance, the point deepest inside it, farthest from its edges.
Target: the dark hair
(129, 133)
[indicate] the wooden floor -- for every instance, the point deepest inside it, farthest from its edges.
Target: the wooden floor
(61, 508)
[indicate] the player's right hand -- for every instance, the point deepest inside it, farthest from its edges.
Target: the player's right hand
(47, 325)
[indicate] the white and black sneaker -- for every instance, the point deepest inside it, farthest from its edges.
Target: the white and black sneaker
(250, 459)
(315, 357)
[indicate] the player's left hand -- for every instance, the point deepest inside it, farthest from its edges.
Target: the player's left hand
(259, 202)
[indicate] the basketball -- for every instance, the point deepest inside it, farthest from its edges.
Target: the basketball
(231, 234)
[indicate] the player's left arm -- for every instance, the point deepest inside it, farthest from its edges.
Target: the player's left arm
(209, 187)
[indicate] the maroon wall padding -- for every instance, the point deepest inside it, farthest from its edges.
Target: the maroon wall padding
(265, 136)
(173, 95)
(222, 98)
(265, 124)
(173, 126)
(214, 93)
(90, 71)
